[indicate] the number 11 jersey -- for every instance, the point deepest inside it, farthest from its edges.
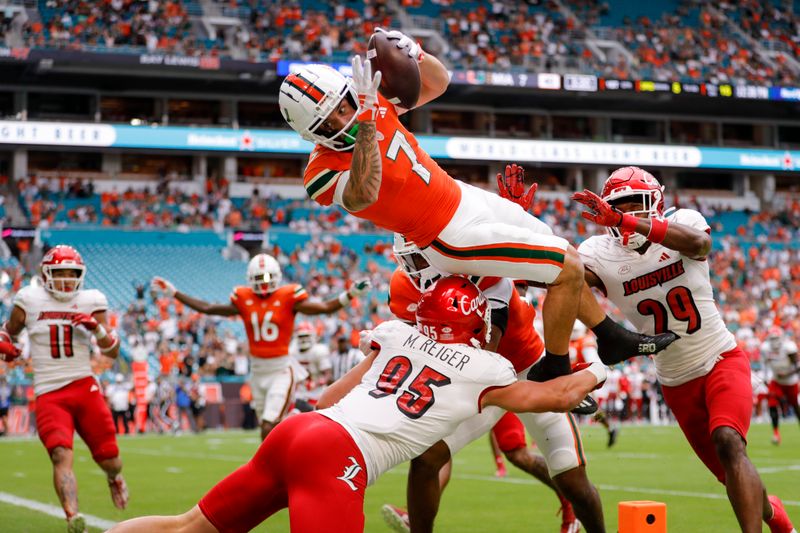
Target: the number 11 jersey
(60, 352)
(664, 290)
(416, 392)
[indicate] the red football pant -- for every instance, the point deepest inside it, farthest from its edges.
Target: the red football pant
(308, 463)
(510, 433)
(777, 392)
(78, 406)
(723, 397)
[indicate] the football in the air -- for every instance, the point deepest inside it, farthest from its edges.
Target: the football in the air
(400, 81)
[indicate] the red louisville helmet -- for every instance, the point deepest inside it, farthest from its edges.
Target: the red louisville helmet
(454, 310)
(62, 257)
(632, 184)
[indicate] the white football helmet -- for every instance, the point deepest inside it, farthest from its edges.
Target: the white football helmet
(411, 260)
(312, 93)
(263, 274)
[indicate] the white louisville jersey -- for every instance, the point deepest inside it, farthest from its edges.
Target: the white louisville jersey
(664, 290)
(777, 360)
(416, 392)
(60, 352)
(315, 360)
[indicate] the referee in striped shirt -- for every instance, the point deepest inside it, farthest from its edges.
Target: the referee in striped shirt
(345, 357)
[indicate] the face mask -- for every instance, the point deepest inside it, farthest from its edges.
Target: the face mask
(350, 135)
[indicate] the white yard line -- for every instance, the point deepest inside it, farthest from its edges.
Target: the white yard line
(52, 510)
(617, 488)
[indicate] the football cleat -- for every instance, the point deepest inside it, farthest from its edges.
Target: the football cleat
(77, 524)
(623, 344)
(569, 522)
(500, 467)
(776, 438)
(588, 406)
(780, 522)
(119, 491)
(396, 518)
(612, 436)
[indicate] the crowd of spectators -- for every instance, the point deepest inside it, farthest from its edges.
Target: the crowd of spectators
(281, 30)
(767, 23)
(59, 201)
(151, 25)
(695, 42)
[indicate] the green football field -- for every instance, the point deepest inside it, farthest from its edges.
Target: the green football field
(169, 474)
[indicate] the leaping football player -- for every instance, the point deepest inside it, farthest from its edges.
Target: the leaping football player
(268, 310)
(367, 162)
(653, 265)
(61, 318)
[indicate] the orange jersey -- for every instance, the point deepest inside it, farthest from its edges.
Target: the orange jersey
(416, 199)
(520, 344)
(268, 320)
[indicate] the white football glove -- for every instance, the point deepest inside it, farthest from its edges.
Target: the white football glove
(365, 341)
(359, 288)
(162, 285)
(366, 86)
(412, 48)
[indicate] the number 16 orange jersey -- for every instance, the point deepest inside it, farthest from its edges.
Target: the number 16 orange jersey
(268, 320)
(416, 199)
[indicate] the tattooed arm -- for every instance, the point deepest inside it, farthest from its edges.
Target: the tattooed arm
(361, 190)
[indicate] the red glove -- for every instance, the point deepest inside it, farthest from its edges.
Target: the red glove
(87, 321)
(511, 186)
(8, 352)
(603, 213)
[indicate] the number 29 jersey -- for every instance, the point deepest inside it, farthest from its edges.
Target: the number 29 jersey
(60, 352)
(416, 392)
(663, 290)
(416, 199)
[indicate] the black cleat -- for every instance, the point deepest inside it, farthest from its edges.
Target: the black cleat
(612, 436)
(628, 345)
(588, 406)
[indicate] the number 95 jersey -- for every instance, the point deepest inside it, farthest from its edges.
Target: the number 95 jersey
(416, 392)
(60, 352)
(664, 290)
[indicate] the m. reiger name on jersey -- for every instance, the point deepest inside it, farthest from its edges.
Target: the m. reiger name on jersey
(415, 393)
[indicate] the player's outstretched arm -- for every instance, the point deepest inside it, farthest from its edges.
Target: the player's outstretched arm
(558, 395)
(359, 288)
(8, 335)
(433, 75)
(687, 240)
(339, 388)
(361, 190)
(164, 286)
